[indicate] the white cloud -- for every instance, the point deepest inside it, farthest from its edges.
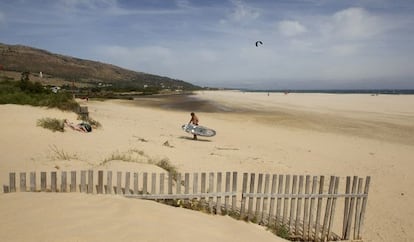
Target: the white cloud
(242, 13)
(133, 57)
(354, 24)
(290, 28)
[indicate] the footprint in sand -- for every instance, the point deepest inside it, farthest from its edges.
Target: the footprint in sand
(166, 143)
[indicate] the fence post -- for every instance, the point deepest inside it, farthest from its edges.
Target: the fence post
(170, 178)
(73, 181)
(53, 184)
(153, 182)
(136, 189)
(118, 182)
(357, 207)
(351, 208)
(22, 181)
(144, 183)
(162, 183)
(299, 206)
(109, 182)
(259, 199)
(265, 200)
(178, 184)
(203, 186)
(346, 207)
(279, 218)
(318, 208)
(328, 209)
(273, 218)
(292, 202)
(363, 208)
(243, 200)
(227, 189)
(90, 181)
(210, 190)
(195, 183)
(63, 186)
(32, 181)
(312, 204)
(127, 181)
(306, 209)
(218, 190)
(333, 207)
(100, 182)
(286, 201)
(250, 206)
(83, 181)
(12, 182)
(186, 183)
(43, 181)
(234, 190)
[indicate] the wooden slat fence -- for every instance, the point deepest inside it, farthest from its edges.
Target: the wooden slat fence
(305, 207)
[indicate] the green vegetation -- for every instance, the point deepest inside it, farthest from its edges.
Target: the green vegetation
(25, 92)
(166, 165)
(282, 231)
(52, 124)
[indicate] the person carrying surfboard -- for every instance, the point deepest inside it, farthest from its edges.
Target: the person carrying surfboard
(194, 121)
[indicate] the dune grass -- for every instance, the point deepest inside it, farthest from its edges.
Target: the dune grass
(60, 154)
(132, 155)
(52, 124)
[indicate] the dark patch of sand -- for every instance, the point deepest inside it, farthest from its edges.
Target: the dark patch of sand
(184, 102)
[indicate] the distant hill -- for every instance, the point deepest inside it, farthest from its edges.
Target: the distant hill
(18, 58)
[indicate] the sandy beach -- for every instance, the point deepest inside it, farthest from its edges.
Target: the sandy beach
(316, 134)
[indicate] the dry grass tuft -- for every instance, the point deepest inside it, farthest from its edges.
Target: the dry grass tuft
(51, 123)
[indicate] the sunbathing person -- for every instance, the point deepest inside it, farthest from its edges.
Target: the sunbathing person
(82, 127)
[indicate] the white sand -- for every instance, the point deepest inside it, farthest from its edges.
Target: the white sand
(317, 134)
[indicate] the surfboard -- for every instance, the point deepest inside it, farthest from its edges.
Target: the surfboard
(198, 130)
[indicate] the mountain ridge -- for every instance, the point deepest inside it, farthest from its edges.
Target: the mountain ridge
(20, 58)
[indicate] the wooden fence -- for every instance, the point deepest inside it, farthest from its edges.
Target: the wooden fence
(303, 206)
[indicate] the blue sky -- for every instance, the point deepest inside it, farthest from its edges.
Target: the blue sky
(306, 43)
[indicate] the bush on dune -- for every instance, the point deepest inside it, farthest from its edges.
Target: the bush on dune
(31, 94)
(52, 124)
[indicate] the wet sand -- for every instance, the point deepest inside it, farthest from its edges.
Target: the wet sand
(185, 102)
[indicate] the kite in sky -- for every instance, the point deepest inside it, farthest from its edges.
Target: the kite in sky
(258, 42)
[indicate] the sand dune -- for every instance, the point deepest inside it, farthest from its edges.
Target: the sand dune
(317, 134)
(81, 217)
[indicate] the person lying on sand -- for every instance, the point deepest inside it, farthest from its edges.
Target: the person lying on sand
(82, 127)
